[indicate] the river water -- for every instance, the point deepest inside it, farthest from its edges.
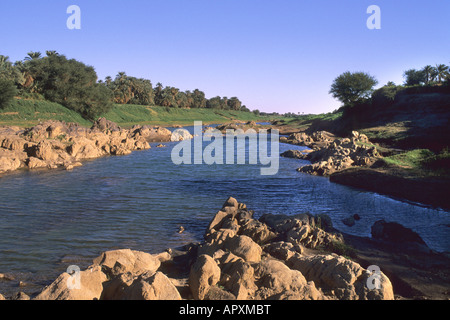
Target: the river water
(52, 219)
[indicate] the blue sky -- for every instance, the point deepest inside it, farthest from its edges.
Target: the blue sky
(274, 55)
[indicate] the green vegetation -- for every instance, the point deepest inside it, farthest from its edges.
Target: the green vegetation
(428, 75)
(350, 88)
(410, 159)
(128, 115)
(58, 79)
(422, 161)
(74, 85)
(27, 113)
(7, 92)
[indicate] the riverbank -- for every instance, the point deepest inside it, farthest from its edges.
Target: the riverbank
(56, 144)
(29, 113)
(277, 257)
(403, 184)
(357, 162)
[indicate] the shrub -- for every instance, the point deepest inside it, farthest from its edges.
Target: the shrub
(7, 92)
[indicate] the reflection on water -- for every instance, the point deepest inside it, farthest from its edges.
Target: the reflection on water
(52, 219)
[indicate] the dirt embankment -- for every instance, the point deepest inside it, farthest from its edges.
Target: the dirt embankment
(426, 190)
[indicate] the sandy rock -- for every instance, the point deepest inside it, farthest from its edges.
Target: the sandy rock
(256, 230)
(34, 163)
(13, 143)
(282, 250)
(103, 124)
(204, 274)
(91, 286)
(181, 135)
(9, 164)
(278, 280)
(121, 261)
(237, 275)
(152, 134)
(340, 277)
(151, 286)
(295, 154)
(84, 148)
(244, 247)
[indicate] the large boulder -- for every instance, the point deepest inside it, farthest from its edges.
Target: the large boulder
(282, 250)
(122, 261)
(256, 230)
(152, 134)
(84, 148)
(237, 275)
(204, 274)
(278, 281)
(63, 288)
(44, 150)
(9, 164)
(244, 247)
(180, 135)
(340, 277)
(151, 286)
(102, 124)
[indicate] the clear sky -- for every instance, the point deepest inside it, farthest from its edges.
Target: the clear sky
(274, 55)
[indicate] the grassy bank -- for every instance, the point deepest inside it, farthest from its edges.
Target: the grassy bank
(128, 115)
(27, 113)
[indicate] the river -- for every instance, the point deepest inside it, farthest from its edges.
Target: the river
(51, 219)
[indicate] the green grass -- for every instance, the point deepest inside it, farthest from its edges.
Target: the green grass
(128, 115)
(27, 113)
(411, 159)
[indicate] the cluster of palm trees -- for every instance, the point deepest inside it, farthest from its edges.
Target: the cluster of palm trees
(125, 89)
(131, 90)
(436, 74)
(428, 75)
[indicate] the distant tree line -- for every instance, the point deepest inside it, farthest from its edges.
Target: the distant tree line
(75, 85)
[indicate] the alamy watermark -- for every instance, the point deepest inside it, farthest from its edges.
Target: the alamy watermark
(74, 20)
(374, 21)
(374, 280)
(235, 140)
(74, 280)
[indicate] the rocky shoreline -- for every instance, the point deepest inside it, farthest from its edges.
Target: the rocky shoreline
(56, 144)
(331, 154)
(356, 162)
(275, 257)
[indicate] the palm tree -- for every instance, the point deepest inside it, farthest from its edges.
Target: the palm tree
(50, 53)
(33, 55)
(442, 72)
(428, 70)
(108, 80)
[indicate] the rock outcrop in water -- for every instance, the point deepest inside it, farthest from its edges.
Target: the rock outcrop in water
(332, 155)
(55, 144)
(276, 257)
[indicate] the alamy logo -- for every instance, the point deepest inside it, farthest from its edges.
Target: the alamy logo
(374, 280)
(74, 20)
(374, 21)
(74, 280)
(235, 140)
